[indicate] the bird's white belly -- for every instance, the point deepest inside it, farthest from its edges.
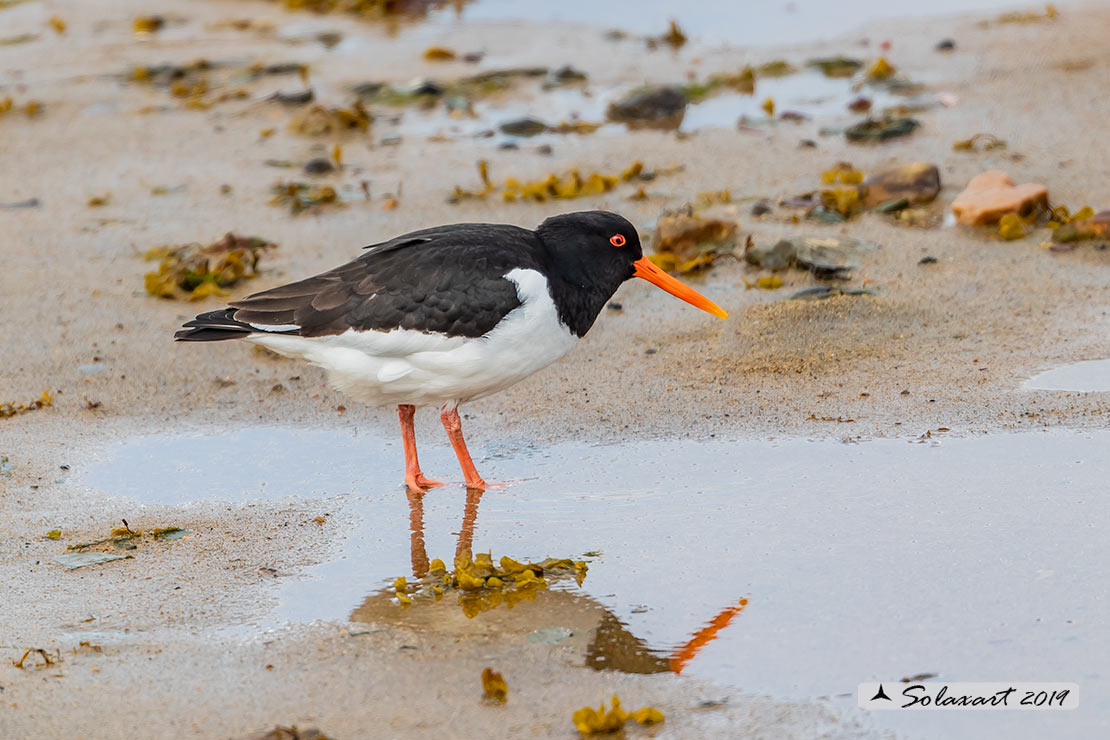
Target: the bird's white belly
(404, 366)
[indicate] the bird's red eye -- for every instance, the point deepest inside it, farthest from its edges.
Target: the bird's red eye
(617, 240)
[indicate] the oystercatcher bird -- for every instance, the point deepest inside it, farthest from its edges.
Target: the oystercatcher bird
(447, 314)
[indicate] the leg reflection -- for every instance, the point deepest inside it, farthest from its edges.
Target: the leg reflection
(470, 518)
(416, 529)
(416, 526)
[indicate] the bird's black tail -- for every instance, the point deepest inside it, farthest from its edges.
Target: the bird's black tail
(213, 327)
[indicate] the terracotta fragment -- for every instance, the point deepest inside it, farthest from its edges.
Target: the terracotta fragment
(991, 195)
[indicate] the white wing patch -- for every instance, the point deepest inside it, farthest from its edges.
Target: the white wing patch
(276, 327)
(406, 366)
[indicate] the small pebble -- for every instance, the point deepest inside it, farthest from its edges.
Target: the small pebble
(301, 97)
(319, 166)
(927, 261)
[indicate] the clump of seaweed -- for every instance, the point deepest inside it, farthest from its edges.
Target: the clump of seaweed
(202, 83)
(32, 108)
(673, 37)
(322, 120)
(741, 82)
(460, 93)
(125, 538)
(684, 242)
(494, 687)
(590, 721)
(15, 409)
(979, 143)
(196, 271)
(554, 186)
(369, 9)
(483, 585)
(303, 196)
(1021, 17)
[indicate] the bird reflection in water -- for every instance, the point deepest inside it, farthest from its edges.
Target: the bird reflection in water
(603, 640)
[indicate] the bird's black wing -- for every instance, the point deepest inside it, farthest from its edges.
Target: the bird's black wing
(447, 280)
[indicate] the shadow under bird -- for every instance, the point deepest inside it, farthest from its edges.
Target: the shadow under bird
(448, 314)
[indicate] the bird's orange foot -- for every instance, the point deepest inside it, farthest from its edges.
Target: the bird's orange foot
(483, 485)
(477, 484)
(419, 482)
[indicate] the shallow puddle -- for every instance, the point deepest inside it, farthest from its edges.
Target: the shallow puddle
(791, 568)
(806, 92)
(725, 21)
(1084, 377)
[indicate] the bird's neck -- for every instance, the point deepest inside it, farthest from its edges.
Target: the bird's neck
(578, 299)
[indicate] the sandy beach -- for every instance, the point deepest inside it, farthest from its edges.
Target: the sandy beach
(161, 646)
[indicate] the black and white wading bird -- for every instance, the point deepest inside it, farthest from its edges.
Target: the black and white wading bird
(448, 314)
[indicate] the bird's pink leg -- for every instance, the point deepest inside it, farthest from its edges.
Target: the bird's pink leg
(414, 479)
(453, 427)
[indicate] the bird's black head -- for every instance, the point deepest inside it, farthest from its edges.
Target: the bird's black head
(592, 247)
(590, 254)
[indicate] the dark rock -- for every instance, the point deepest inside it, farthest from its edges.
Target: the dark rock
(564, 75)
(893, 206)
(523, 127)
(830, 258)
(825, 258)
(368, 89)
(615, 306)
(807, 144)
(860, 105)
(776, 256)
(283, 68)
(880, 130)
(836, 66)
(301, 97)
(662, 107)
(319, 166)
(930, 260)
(329, 38)
(508, 145)
(917, 182)
(946, 45)
(425, 87)
(761, 208)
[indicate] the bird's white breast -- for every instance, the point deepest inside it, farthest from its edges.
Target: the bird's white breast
(406, 366)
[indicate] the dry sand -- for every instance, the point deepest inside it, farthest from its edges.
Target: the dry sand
(943, 345)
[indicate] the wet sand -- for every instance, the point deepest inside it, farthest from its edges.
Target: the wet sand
(942, 345)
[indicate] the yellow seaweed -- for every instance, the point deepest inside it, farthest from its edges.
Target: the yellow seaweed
(494, 686)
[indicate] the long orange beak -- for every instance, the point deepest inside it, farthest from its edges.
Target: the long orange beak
(647, 270)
